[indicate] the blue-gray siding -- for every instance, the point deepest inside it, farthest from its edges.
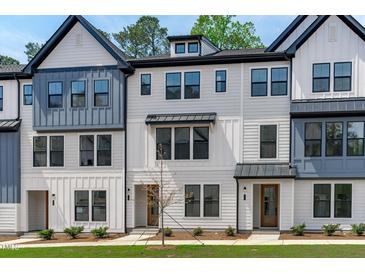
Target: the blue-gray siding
(90, 117)
(10, 167)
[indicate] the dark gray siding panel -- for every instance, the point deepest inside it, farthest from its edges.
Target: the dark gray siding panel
(90, 117)
(10, 167)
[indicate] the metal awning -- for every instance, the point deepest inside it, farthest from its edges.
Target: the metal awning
(257, 171)
(173, 118)
(9, 125)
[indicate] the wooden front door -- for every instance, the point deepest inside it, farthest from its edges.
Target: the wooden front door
(152, 205)
(269, 205)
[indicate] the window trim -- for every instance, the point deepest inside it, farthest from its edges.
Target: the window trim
(62, 93)
(103, 93)
(2, 98)
(181, 89)
(85, 93)
(329, 77)
(347, 138)
(334, 76)
(305, 139)
(197, 47)
(180, 44)
(24, 95)
(276, 143)
(185, 85)
(342, 138)
(216, 81)
(252, 83)
(271, 81)
(141, 84)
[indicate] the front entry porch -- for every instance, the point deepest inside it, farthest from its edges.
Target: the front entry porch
(146, 211)
(266, 206)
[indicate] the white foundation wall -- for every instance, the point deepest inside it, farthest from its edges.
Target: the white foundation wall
(9, 218)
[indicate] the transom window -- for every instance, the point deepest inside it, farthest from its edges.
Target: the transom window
(192, 47)
(334, 139)
(355, 138)
(279, 81)
(259, 82)
(173, 85)
(192, 85)
(27, 95)
(102, 150)
(313, 139)
(56, 153)
(220, 80)
(210, 196)
(101, 93)
(40, 151)
(268, 136)
(322, 201)
(78, 89)
(179, 48)
(146, 84)
(55, 95)
(342, 80)
(321, 77)
(1, 98)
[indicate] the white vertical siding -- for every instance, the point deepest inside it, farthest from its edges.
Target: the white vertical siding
(10, 99)
(286, 204)
(9, 218)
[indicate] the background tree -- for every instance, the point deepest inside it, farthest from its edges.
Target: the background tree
(31, 49)
(7, 60)
(144, 38)
(227, 33)
(107, 35)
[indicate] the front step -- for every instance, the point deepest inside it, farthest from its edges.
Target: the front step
(265, 232)
(29, 235)
(144, 231)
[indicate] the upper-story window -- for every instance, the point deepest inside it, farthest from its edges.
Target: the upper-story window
(103, 150)
(334, 139)
(173, 85)
(179, 48)
(342, 76)
(87, 150)
(201, 143)
(193, 47)
(55, 95)
(321, 77)
(259, 82)
(27, 95)
(56, 151)
(192, 85)
(313, 139)
(78, 90)
(40, 151)
(220, 80)
(182, 143)
(268, 139)
(163, 143)
(355, 138)
(146, 84)
(1, 98)
(101, 93)
(279, 81)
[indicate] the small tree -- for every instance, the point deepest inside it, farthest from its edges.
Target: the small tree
(31, 49)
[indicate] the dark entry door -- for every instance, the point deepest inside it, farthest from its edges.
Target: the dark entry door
(152, 205)
(269, 205)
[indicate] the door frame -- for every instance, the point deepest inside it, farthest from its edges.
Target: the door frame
(262, 186)
(148, 207)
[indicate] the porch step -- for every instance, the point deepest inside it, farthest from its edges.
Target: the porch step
(29, 235)
(265, 232)
(144, 231)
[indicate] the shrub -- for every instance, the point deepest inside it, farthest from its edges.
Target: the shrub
(46, 234)
(230, 231)
(197, 231)
(358, 229)
(330, 229)
(298, 230)
(73, 231)
(100, 232)
(168, 232)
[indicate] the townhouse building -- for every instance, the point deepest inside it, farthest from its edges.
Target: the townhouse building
(249, 138)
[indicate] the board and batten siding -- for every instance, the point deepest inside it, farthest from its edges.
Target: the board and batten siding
(10, 99)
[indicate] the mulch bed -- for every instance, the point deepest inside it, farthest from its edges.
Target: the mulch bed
(320, 236)
(84, 237)
(206, 236)
(7, 238)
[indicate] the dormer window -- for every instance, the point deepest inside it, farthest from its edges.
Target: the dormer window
(180, 48)
(193, 47)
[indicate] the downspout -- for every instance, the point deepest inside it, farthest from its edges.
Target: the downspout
(290, 119)
(18, 88)
(237, 203)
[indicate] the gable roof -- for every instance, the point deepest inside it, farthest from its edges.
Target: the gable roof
(61, 33)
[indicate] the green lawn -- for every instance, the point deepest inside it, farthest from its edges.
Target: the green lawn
(292, 251)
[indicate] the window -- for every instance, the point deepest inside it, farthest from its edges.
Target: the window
(211, 200)
(27, 95)
(179, 48)
(145, 84)
(193, 47)
(1, 98)
(163, 143)
(101, 93)
(55, 97)
(192, 200)
(321, 77)
(78, 94)
(279, 81)
(99, 206)
(342, 81)
(220, 81)
(39, 151)
(192, 85)
(173, 85)
(201, 142)
(258, 82)
(334, 139)
(268, 141)
(313, 139)
(322, 201)
(56, 150)
(87, 150)
(355, 138)
(343, 200)
(182, 143)
(104, 150)
(81, 205)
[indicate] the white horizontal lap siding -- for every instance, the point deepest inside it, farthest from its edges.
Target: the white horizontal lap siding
(9, 217)
(245, 210)
(10, 99)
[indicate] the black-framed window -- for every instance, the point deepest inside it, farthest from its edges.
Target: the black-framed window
(78, 90)
(104, 150)
(321, 77)
(342, 76)
(355, 138)
(173, 85)
(101, 93)
(163, 143)
(182, 143)
(343, 200)
(220, 80)
(334, 138)
(81, 205)
(55, 94)
(179, 48)
(98, 205)
(193, 47)
(279, 81)
(40, 151)
(56, 152)
(259, 82)
(1, 98)
(313, 139)
(322, 201)
(192, 200)
(27, 95)
(192, 85)
(201, 142)
(268, 140)
(211, 200)
(86, 150)
(146, 84)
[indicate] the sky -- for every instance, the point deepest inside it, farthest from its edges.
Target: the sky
(16, 31)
